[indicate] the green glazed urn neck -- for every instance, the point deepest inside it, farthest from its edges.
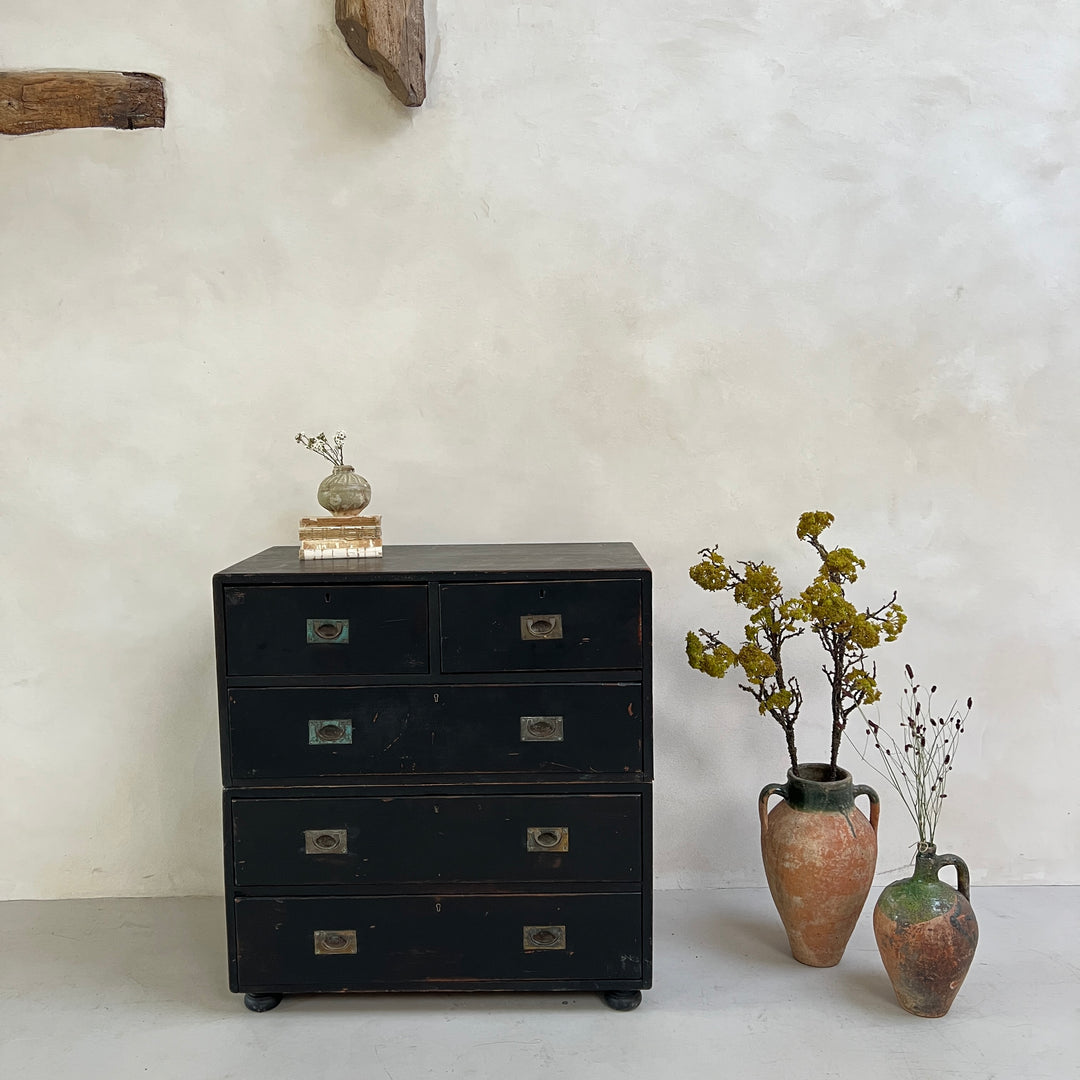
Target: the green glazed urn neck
(813, 787)
(927, 863)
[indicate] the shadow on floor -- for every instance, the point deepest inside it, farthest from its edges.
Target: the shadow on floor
(758, 939)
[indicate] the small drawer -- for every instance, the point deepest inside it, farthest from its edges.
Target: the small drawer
(420, 839)
(334, 630)
(542, 626)
(429, 942)
(338, 732)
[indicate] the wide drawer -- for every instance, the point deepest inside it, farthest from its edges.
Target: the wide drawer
(541, 626)
(420, 839)
(420, 942)
(343, 732)
(336, 630)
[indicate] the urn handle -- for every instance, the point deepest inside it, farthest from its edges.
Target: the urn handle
(875, 802)
(763, 803)
(963, 878)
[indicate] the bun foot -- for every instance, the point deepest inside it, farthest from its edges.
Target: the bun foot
(263, 1002)
(622, 1000)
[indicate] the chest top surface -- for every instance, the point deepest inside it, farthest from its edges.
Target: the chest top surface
(442, 561)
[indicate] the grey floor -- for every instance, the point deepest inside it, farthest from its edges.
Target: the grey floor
(136, 988)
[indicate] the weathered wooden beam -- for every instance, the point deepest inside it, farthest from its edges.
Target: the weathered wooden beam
(388, 35)
(46, 100)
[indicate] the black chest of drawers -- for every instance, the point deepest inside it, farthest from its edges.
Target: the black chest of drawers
(437, 770)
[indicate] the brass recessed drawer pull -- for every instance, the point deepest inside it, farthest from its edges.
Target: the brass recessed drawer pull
(326, 842)
(543, 937)
(335, 942)
(328, 631)
(547, 838)
(541, 729)
(541, 627)
(336, 732)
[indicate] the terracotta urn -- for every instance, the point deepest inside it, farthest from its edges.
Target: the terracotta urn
(927, 933)
(819, 852)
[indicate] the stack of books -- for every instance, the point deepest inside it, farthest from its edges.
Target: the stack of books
(341, 537)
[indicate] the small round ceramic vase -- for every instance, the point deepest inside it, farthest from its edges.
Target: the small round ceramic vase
(926, 933)
(344, 492)
(819, 853)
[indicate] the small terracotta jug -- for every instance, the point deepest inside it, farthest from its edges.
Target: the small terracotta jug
(819, 853)
(926, 933)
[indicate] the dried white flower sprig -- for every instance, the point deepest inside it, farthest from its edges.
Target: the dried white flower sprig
(322, 445)
(918, 765)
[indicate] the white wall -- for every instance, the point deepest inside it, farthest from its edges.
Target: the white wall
(663, 272)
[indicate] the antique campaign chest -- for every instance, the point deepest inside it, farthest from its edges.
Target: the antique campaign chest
(437, 770)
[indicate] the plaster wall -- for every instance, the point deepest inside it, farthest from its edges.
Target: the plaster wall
(670, 273)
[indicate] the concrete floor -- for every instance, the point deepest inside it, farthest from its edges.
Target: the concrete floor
(136, 988)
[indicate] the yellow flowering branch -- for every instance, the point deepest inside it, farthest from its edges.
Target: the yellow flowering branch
(845, 632)
(773, 622)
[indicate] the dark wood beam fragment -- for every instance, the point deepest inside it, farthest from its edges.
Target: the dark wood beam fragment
(388, 35)
(47, 100)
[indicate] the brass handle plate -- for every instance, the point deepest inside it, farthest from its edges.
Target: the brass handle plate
(547, 838)
(326, 842)
(328, 631)
(541, 729)
(535, 938)
(333, 732)
(335, 942)
(541, 627)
